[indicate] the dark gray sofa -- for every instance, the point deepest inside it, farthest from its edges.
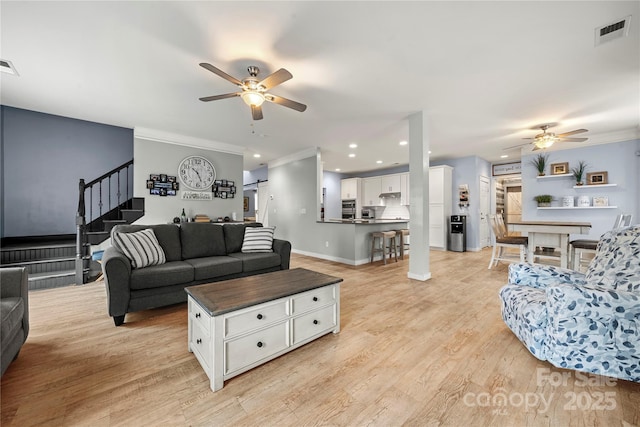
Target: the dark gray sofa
(14, 313)
(196, 253)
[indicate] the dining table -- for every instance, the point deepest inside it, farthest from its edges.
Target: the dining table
(549, 234)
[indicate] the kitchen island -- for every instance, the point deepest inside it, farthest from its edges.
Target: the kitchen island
(354, 241)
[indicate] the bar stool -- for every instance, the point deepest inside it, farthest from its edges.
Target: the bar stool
(381, 236)
(400, 234)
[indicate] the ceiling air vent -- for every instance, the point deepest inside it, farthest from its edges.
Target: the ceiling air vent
(613, 31)
(7, 67)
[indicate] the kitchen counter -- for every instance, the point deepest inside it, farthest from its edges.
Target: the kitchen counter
(365, 221)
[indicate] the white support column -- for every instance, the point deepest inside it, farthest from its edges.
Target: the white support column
(419, 197)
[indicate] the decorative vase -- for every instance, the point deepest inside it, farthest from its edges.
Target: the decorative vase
(579, 183)
(544, 204)
(540, 173)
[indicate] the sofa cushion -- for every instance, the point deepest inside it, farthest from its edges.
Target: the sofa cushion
(215, 266)
(257, 261)
(234, 235)
(258, 239)
(202, 240)
(170, 273)
(617, 261)
(141, 247)
(168, 236)
(11, 314)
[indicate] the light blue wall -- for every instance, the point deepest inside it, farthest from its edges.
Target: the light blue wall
(43, 158)
(467, 170)
(621, 162)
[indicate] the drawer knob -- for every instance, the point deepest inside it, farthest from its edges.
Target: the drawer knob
(315, 298)
(315, 322)
(197, 315)
(260, 344)
(198, 341)
(259, 316)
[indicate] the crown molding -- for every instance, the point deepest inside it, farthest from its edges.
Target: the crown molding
(187, 141)
(309, 152)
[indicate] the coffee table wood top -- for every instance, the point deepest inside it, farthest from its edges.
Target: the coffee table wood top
(230, 295)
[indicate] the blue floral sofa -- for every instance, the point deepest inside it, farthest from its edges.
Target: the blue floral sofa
(587, 322)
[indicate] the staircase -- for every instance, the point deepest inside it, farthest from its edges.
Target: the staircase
(62, 260)
(102, 204)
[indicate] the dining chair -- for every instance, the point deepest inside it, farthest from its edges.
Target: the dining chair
(503, 242)
(581, 247)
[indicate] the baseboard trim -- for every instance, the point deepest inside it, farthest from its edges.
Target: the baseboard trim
(420, 277)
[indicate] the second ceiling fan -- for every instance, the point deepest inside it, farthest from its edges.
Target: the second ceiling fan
(547, 139)
(254, 91)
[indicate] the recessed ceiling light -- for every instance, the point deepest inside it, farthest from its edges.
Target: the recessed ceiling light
(256, 155)
(352, 155)
(337, 169)
(504, 156)
(378, 161)
(353, 145)
(403, 142)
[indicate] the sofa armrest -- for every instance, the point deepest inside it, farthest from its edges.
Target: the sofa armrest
(14, 282)
(594, 302)
(283, 248)
(542, 276)
(116, 268)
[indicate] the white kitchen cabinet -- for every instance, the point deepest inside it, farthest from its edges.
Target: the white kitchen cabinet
(350, 188)
(371, 189)
(440, 202)
(390, 183)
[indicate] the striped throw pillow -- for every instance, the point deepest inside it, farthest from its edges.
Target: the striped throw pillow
(258, 239)
(142, 248)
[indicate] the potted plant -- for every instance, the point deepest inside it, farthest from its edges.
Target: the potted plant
(544, 200)
(540, 163)
(578, 171)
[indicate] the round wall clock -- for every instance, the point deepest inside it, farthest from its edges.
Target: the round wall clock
(197, 173)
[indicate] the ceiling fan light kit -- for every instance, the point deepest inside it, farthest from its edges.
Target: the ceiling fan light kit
(254, 92)
(547, 139)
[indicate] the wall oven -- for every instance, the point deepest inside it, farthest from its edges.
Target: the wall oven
(348, 209)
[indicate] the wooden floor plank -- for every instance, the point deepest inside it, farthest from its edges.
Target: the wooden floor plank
(409, 353)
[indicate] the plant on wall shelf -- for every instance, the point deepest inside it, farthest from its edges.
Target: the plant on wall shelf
(540, 163)
(544, 200)
(578, 171)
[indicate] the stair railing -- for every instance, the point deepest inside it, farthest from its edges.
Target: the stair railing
(93, 193)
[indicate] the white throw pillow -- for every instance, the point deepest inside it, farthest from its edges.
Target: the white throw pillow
(142, 248)
(258, 239)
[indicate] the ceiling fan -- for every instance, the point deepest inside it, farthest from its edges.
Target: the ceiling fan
(254, 91)
(547, 139)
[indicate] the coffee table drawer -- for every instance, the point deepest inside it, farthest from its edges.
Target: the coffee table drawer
(313, 299)
(198, 315)
(255, 317)
(200, 343)
(313, 323)
(247, 350)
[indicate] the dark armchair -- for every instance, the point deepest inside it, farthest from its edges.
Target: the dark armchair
(14, 313)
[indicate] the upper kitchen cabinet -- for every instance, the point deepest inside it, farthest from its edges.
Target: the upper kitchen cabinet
(350, 188)
(371, 189)
(390, 184)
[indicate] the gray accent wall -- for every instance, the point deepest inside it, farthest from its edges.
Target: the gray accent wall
(43, 158)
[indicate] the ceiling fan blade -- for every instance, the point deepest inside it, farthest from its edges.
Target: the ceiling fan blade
(573, 132)
(256, 112)
(221, 73)
(573, 139)
(285, 102)
(216, 97)
(275, 79)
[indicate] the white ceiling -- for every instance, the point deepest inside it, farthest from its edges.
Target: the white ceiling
(483, 72)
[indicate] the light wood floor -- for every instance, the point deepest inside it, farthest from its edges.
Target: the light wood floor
(409, 353)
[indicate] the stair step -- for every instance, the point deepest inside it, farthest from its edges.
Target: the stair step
(130, 215)
(52, 280)
(20, 254)
(110, 223)
(50, 265)
(97, 237)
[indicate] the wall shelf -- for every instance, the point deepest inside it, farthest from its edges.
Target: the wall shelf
(562, 175)
(594, 186)
(580, 207)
